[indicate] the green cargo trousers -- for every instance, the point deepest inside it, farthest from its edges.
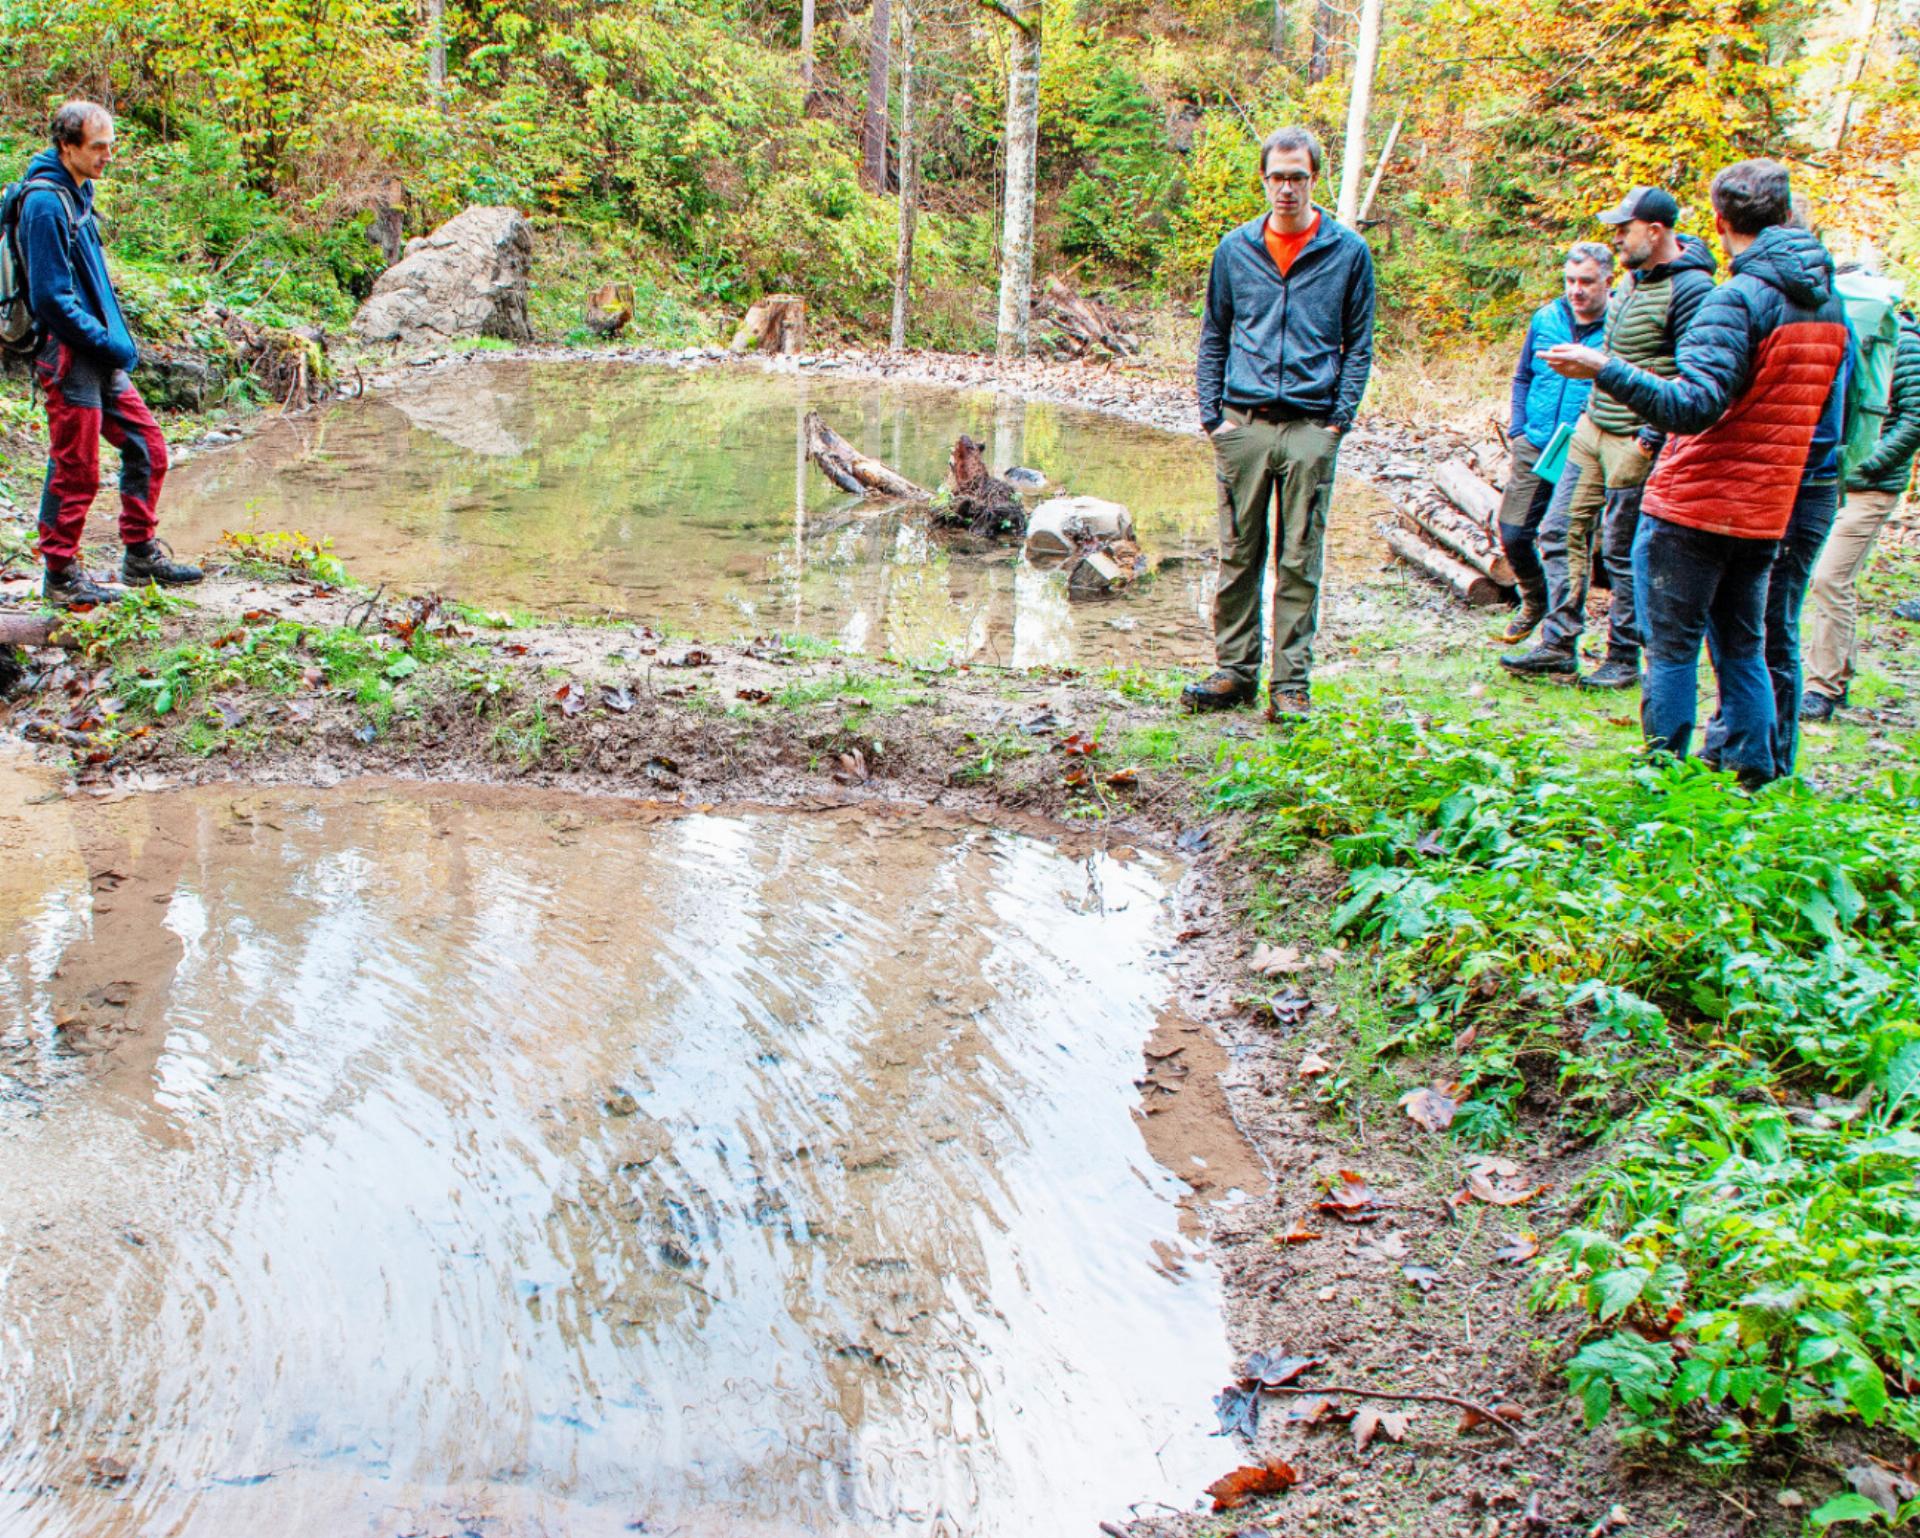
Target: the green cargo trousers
(1276, 482)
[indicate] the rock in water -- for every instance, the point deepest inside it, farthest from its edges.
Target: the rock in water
(468, 278)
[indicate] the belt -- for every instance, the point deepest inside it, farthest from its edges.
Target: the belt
(1272, 413)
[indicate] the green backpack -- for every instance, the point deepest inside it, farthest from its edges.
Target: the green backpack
(1872, 304)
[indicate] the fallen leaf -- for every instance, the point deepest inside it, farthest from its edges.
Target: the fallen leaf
(693, 659)
(1311, 1410)
(1313, 1065)
(1272, 960)
(1239, 1411)
(1272, 1370)
(1518, 1249)
(1352, 1201)
(1493, 1166)
(1505, 1412)
(1885, 1488)
(853, 768)
(1423, 1277)
(1298, 1234)
(1124, 779)
(1080, 745)
(1292, 1007)
(1386, 1247)
(1076, 779)
(617, 699)
(1274, 1477)
(572, 701)
(1369, 1422)
(1506, 1194)
(1432, 1108)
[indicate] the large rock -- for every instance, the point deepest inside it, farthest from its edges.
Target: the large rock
(468, 278)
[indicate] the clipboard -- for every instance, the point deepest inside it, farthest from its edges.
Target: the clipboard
(1553, 458)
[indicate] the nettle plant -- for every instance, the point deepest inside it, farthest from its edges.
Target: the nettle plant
(1722, 989)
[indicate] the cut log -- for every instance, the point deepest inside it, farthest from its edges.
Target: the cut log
(1085, 323)
(609, 308)
(981, 501)
(775, 324)
(1475, 588)
(853, 471)
(1469, 493)
(1466, 539)
(25, 629)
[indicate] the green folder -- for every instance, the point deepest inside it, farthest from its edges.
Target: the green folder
(1553, 458)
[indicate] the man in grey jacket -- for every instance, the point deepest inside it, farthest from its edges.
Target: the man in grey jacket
(1286, 345)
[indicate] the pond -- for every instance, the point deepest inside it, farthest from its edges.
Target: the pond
(381, 1161)
(684, 498)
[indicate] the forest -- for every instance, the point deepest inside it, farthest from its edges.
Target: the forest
(711, 151)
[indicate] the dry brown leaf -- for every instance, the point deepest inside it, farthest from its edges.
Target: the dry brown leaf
(1274, 1477)
(1313, 1065)
(1369, 1422)
(1272, 960)
(1506, 1412)
(1518, 1249)
(1431, 1108)
(1506, 1194)
(1298, 1234)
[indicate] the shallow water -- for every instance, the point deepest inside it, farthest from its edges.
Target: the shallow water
(684, 497)
(443, 1162)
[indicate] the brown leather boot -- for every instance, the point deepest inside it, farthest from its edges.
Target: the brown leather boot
(1288, 704)
(1533, 609)
(1221, 691)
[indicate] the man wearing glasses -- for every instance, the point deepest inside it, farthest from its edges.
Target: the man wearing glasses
(1286, 345)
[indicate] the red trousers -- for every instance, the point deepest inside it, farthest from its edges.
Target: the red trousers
(73, 471)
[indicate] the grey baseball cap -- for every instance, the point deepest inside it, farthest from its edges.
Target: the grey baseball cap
(1653, 204)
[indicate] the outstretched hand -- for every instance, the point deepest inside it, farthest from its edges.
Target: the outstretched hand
(1574, 361)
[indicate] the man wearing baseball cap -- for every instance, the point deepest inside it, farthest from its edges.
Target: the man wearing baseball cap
(1668, 277)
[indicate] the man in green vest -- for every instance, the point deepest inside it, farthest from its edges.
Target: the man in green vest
(1668, 275)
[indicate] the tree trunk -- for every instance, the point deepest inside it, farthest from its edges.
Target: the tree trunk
(437, 46)
(853, 471)
(806, 46)
(873, 128)
(909, 186)
(1280, 29)
(1380, 168)
(1324, 21)
(1016, 220)
(1353, 159)
(1475, 588)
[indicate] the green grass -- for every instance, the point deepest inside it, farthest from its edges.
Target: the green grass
(1720, 991)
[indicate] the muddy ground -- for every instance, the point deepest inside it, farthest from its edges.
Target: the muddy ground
(1415, 1301)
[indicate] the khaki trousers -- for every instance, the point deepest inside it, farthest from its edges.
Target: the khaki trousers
(1276, 482)
(1830, 655)
(1597, 462)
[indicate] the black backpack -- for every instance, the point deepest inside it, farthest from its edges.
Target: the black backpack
(19, 330)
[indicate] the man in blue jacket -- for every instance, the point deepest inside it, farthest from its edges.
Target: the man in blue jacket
(1543, 403)
(1286, 345)
(83, 366)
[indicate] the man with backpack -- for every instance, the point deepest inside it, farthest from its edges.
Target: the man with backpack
(82, 362)
(1878, 462)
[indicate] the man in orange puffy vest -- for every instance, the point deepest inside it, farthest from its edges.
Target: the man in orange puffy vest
(1755, 371)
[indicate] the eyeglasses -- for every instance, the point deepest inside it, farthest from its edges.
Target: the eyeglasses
(1288, 178)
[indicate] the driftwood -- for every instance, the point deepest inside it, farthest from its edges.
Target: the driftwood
(1476, 588)
(775, 324)
(1469, 493)
(25, 629)
(853, 471)
(292, 366)
(1464, 538)
(980, 501)
(609, 308)
(1085, 324)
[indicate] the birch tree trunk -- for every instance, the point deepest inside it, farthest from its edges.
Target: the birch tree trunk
(437, 46)
(909, 184)
(806, 46)
(873, 128)
(1016, 220)
(1280, 29)
(1353, 159)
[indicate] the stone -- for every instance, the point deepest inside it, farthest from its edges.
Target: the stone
(178, 378)
(1061, 525)
(468, 278)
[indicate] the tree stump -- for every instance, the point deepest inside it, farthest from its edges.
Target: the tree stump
(775, 324)
(981, 502)
(609, 308)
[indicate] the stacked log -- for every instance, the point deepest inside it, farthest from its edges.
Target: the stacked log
(1085, 325)
(1449, 529)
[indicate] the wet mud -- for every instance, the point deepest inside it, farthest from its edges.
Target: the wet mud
(388, 1160)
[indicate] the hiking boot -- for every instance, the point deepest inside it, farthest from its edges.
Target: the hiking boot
(1542, 662)
(1523, 624)
(70, 587)
(1288, 704)
(152, 561)
(1612, 674)
(1815, 706)
(1222, 691)
(1908, 609)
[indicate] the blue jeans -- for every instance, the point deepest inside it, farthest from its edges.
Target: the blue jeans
(1693, 586)
(1806, 537)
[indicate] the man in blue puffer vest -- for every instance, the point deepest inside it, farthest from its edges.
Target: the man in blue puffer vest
(83, 368)
(1543, 402)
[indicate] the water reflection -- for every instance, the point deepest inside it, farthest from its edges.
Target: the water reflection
(542, 1168)
(685, 497)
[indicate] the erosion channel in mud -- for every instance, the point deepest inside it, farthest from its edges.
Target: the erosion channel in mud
(378, 1159)
(683, 497)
